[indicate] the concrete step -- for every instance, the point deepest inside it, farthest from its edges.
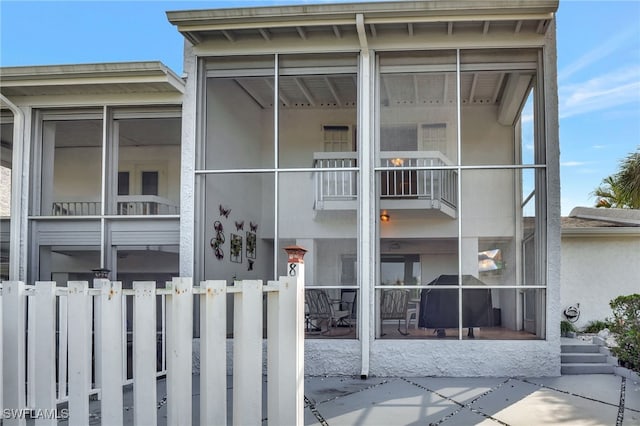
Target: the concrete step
(586, 368)
(580, 348)
(583, 358)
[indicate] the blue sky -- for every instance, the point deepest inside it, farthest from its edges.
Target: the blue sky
(598, 65)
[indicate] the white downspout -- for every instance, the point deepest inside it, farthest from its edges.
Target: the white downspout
(367, 219)
(17, 213)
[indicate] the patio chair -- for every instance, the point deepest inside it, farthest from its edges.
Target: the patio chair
(393, 306)
(320, 309)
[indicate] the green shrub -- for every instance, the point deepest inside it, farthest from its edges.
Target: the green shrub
(596, 326)
(626, 327)
(566, 327)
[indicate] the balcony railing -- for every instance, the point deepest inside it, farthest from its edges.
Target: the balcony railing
(128, 205)
(402, 179)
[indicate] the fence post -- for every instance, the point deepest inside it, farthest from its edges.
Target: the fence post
(78, 308)
(247, 354)
(180, 339)
(13, 346)
(290, 383)
(45, 350)
(213, 353)
(110, 365)
(144, 353)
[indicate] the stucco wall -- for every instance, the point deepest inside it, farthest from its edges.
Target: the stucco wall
(596, 270)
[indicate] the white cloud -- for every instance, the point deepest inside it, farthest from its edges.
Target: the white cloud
(618, 87)
(573, 163)
(601, 51)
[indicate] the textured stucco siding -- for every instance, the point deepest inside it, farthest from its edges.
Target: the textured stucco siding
(596, 270)
(414, 358)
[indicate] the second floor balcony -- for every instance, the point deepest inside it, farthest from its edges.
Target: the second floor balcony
(407, 180)
(128, 205)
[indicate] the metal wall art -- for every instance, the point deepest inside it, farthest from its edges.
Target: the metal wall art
(217, 241)
(251, 245)
(235, 249)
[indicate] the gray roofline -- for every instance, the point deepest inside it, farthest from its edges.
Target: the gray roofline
(312, 12)
(610, 231)
(622, 216)
(95, 73)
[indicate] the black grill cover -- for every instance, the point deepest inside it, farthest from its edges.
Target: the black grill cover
(439, 308)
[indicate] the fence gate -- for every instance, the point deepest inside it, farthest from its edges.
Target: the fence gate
(65, 344)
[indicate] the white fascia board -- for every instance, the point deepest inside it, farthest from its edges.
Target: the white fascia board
(631, 232)
(335, 11)
(81, 101)
(88, 74)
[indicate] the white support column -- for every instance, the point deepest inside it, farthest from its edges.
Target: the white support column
(13, 345)
(180, 331)
(110, 365)
(213, 353)
(367, 199)
(78, 307)
(247, 354)
(290, 384)
(97, 330)
(144, 353)
(45, 350)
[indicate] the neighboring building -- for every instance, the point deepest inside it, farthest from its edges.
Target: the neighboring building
(600, 260)
(403, 144)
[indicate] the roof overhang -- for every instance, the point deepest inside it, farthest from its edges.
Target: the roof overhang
(268, 23)
(92, 79)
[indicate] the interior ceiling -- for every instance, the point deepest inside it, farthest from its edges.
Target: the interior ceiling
(340, 91)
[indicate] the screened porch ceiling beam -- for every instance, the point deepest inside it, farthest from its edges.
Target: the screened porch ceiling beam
(450, 28)
(485, 28)
(251, 93)
(228, 35)
(410, 29)
(305, 91)
(374, 32)
(301, 33)
(445, 91)
(472, 91)
(496, 91)
(336, 31)
(518, 27)
(385, 89)
(333, 90)
(415, 88)
(282, 97)
(265, 34)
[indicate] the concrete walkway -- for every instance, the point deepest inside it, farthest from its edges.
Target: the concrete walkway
(565, 400)
(584, 400)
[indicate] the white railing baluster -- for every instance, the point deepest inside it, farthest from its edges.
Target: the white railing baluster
(163, 332)
(78, 306)
(45, 351)
(213, 353)
(13, 347)
(111, 361)
(180, 330)
(144, 353)
(125, 339)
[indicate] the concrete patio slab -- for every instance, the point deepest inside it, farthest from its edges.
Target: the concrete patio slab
(602, 387)
(395, 402)
(461, 390)
(522, 403)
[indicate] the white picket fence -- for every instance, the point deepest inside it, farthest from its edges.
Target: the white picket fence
(63, 344)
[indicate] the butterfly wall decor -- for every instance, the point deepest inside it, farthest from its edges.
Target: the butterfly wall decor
(224, 211)
(253, 226)
(239, 225)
